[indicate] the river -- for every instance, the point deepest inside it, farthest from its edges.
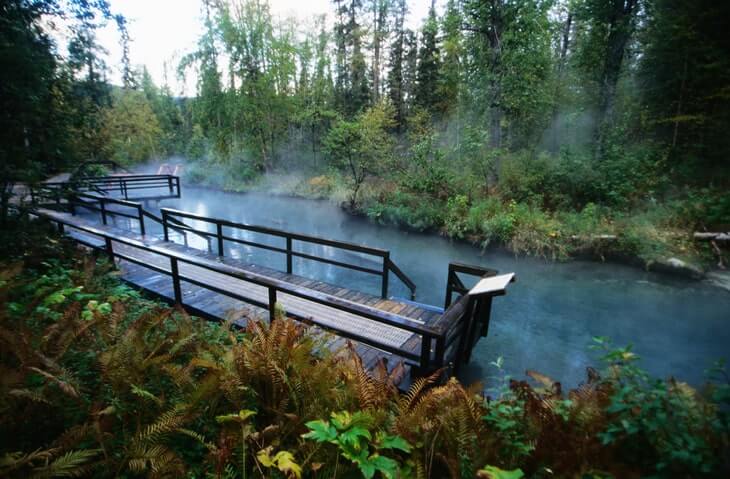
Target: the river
(547, 319)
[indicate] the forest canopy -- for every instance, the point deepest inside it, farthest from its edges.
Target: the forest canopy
(613, 110)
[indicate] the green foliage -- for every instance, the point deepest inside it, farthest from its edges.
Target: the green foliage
(351, 433)
(491, 472)
(669, 418)
(363, 147)
(100, 382)
(134, 132)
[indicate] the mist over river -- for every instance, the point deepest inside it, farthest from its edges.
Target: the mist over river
(678, 327)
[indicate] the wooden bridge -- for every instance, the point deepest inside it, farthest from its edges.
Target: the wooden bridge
(209, 282)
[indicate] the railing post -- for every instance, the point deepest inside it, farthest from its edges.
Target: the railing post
(109, 250)
(126, 193)
(425, 361)
(175, 280)
(164, 225)
(102, 206)
(169, 183)
(288, 255)
(71, 205)
(449, 288)
(140, 215)
(219, 236)
(440, 351)
(177, 184)
(272, 304)
(386, 271)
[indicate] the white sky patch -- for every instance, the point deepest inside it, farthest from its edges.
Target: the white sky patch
(162, 31)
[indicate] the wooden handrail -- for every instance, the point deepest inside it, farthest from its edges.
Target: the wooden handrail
(454, 284)
(123, 183)
(388, 265)
(424, 359)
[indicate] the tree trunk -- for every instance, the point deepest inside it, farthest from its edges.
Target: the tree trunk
(620, 29)
(564, 46)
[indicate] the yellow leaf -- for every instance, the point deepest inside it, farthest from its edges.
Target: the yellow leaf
(286, 464)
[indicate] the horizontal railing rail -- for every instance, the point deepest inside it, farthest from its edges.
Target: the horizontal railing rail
(425, 357)
(73, 200)
(123, 184)
(383, 270)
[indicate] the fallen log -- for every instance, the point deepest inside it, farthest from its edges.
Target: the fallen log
(707, 236)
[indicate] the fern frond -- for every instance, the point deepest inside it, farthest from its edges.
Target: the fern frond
(410, 399)
(183, 343)
(15, 460)
(168, 422)
(30, 395)
(63, 385)
(71, 464)
(72, 436)
(199, 438)
(144, 394)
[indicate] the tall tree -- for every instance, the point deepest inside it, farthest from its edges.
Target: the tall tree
(611, 25)
(342, 71)
(427, 78)
(509, 69)
(410, 69)
(379, 9)
(360, 88)
(125, 40)
(396, 87)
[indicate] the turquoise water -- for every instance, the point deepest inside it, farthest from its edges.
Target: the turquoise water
(546, 321)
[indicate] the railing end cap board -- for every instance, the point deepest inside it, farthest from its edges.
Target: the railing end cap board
(492, 285)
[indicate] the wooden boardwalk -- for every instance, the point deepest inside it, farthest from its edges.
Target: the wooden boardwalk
(214, 305)
(218, 286)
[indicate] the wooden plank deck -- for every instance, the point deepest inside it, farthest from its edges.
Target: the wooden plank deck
(214, 305)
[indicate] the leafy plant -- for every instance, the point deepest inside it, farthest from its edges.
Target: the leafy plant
(351, 433)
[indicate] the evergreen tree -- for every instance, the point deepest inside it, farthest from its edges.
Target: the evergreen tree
(360, 88)
(410, 69)
(380, 10)
(427, 77)
(396, 87)
(451, 69)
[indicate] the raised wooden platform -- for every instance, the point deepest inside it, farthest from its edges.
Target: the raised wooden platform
(214, 305)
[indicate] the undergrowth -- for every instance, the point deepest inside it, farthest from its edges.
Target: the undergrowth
(99, 381)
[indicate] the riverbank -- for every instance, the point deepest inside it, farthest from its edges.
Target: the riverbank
(652, 238)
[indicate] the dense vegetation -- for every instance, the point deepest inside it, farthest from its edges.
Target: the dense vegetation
(99, 381)
(551, 126)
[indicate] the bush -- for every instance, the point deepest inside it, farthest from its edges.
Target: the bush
(407, 210)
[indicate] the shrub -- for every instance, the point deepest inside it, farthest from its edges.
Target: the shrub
(407, 210)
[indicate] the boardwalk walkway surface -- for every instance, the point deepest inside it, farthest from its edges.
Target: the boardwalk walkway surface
(209, 303)
(219, 286)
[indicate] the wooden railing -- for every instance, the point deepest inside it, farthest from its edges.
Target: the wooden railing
(124, 185)
(454, 283)
(469, 317)
(424, 358)
(72, 201)
(383, 256)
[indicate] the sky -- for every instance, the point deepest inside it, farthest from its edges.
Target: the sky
(165, 30)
